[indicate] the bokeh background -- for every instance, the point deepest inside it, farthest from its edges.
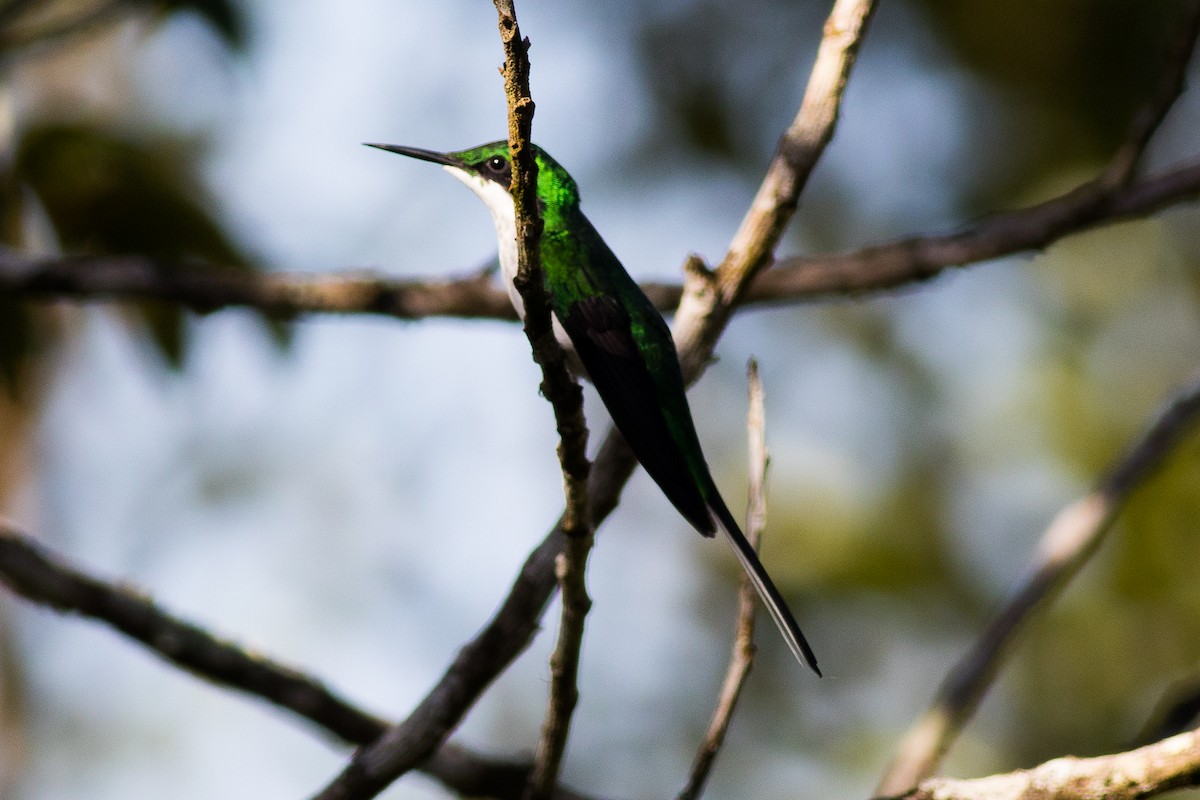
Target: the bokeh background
(354, 495)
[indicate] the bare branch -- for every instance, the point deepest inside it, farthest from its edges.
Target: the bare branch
(697, 329)
(877, 268)
(35, 574)
(565, 395)
(410, 743)
(564, 668)
(741, 659)
(1152, 770)
(413, 741)
(1067, 544)
(752, 249)
(1109, 197)
(31, 572)
(206, 288)
(908, 261)
(1078, 530)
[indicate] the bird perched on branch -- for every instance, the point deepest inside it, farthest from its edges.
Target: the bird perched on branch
(601, 316)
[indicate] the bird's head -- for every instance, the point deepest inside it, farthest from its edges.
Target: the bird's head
(487, 171)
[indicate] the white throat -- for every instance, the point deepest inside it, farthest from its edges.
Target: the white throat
(504, 217)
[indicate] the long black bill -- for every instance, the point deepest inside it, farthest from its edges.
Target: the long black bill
(417, 152)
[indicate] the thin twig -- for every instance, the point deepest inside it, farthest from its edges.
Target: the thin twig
(564, 668)
(1070, 540)
(565, 395)
(741, 659)
(1146, 772)
(28, 569)
(31, 571)
(413, 742)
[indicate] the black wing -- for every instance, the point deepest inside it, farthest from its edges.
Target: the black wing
(599, 327)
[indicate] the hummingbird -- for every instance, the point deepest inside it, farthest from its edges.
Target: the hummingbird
(615, 336)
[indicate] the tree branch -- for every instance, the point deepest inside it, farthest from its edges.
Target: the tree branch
(1148, 771)
(702, 318)
(32, 572)
(1110, 196)
(1073, 536)
(876, 268)
(713, 297)
(205, 288)
(904, 262)
(565, 395)
(741, 659)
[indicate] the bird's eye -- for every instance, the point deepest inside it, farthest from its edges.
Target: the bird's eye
(496, 164)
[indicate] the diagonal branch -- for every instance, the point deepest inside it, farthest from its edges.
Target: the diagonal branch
(742, 657)
(29, 570)
(1072, 538)
(905, 262)
(713, 297)
(1112, 195)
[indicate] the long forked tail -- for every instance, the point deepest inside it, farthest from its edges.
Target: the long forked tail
(765, 587)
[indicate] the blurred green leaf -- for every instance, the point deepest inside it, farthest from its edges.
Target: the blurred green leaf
(104, 194)
(1074, 72)
(1091, 59)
